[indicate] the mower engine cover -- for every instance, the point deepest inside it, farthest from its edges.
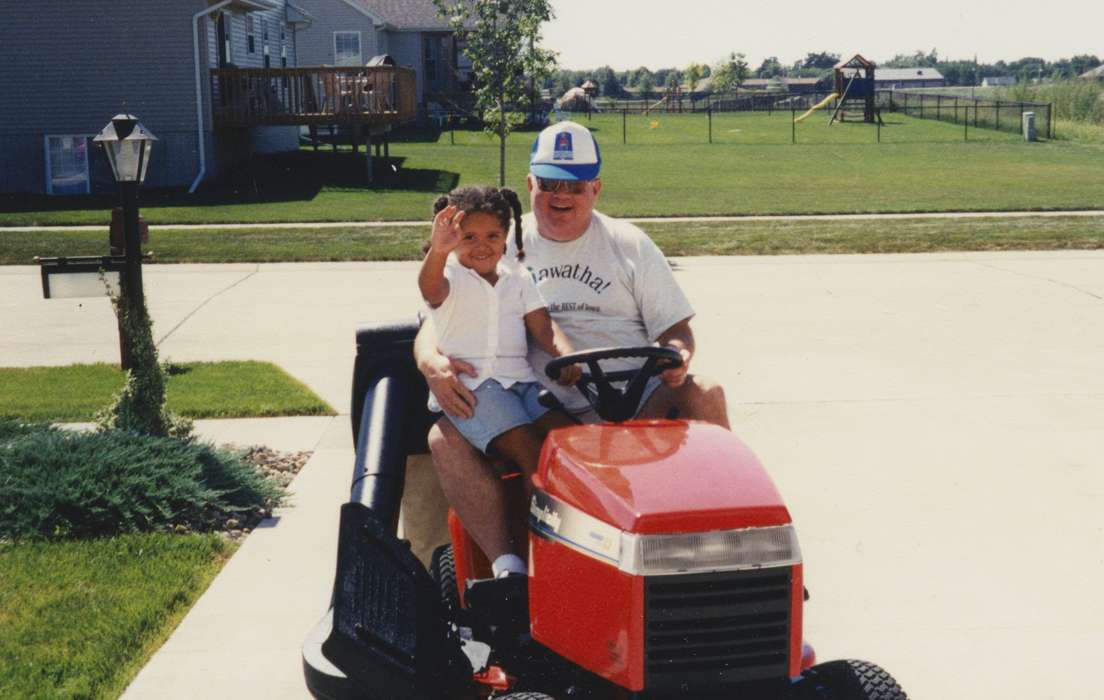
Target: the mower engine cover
(663, 559)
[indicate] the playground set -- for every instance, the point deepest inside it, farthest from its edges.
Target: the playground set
(853, 82)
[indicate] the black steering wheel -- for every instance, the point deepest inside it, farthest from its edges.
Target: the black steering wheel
(612, 403)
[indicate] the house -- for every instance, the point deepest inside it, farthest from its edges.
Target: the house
(349, 32)
(904, 78)
(214, 80)
(998, 81)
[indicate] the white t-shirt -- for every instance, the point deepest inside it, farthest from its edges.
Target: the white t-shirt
(484, 324)
(612, 286)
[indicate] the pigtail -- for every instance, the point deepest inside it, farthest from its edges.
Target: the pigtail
(440, 203)
(515, 206)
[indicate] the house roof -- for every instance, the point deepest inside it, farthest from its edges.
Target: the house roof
(404, 15)
(1097, 72)
(906, 74)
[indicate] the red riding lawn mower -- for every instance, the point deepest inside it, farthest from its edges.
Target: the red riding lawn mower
(662, 564)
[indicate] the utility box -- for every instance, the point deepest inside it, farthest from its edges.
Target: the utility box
(1029, 126)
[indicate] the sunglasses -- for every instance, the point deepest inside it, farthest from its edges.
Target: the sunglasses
(567, 186)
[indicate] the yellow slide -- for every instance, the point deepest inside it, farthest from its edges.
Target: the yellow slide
(817, 106)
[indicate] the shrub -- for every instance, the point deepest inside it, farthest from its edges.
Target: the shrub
(56, 483)
(11, 428)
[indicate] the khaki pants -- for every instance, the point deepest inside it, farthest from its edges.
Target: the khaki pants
(424, 514)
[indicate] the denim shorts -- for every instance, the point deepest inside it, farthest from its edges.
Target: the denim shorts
(498, 409)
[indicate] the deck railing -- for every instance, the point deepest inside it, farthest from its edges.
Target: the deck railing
(373, 96)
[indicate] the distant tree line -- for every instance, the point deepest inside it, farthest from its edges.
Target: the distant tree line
(730, 72)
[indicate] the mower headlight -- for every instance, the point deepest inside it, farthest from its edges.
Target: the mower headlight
(722, 550)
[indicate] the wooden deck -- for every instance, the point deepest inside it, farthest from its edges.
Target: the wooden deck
(371, 96)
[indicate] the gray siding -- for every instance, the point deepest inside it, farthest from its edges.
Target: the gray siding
(406, 49)
(70, 65)
(316, 43)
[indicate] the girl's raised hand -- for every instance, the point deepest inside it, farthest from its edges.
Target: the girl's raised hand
(446, 230)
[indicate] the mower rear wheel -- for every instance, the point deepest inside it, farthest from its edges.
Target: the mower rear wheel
(848, 680)
(442, 567)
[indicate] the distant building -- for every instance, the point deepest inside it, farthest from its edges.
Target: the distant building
(903, 78)
(998, 81)
(350, 32)
(801, 85)
(1094, 74)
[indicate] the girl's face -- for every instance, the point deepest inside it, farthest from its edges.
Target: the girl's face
(482, 244)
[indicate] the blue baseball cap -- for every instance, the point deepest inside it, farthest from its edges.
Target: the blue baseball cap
(565, 151)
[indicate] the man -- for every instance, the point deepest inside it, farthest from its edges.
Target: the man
(606, 284)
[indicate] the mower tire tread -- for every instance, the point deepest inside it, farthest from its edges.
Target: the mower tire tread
(849, 679)
(442, 568)
(525, 696)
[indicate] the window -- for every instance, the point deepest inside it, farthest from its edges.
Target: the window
(430, 59)
(67, 165)
(347, 49)
(283, 56)
(250, 36)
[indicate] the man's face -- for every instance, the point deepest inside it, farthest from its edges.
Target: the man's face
(562, 213)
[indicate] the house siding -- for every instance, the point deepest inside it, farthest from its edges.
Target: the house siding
(406, 49)
(316, 42)
(70, 65)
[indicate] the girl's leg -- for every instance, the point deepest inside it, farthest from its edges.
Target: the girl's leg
(522, 446)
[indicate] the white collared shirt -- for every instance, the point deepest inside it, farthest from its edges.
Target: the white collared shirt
(484, 324)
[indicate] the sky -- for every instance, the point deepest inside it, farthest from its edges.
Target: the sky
(673, 33)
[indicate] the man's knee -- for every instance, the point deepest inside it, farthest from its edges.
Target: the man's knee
(698, 398)
(707, 399)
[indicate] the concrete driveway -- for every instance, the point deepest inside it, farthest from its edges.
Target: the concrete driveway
(935, 423)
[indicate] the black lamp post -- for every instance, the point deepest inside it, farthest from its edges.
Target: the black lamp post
(128, 144)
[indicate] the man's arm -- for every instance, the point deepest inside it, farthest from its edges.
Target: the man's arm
(681, 337)
(443, 375)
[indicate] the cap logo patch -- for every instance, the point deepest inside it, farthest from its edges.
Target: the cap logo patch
(563, 149)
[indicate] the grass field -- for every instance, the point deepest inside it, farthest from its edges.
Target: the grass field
(79, 619)
(333, 244)
(194, 389)
(668, 170)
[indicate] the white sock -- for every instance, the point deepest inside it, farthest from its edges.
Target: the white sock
(509, 562)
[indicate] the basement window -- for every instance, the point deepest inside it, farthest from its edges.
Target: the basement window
(67, 164)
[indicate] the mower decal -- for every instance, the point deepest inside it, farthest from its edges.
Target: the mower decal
(555, 520)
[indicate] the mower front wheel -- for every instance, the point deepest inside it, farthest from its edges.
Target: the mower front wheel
(847, 680)
(442, 567)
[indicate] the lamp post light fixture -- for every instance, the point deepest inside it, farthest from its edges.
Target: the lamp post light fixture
(128, 144)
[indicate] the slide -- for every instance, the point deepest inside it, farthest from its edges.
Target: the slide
(817, 106)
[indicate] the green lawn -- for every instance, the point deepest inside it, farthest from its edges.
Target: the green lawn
(668, 170)
(79, 619)
(697, 238)
(194, 389)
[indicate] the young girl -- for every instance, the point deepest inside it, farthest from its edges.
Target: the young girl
(481, 307)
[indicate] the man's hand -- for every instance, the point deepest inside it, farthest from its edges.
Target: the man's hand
(443, 376)
(676, 376)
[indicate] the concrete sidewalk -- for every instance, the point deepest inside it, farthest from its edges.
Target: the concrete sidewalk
(934, 423)
(637, 220)
(242, 638)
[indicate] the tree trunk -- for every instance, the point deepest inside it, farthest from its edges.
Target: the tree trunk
(501, 144)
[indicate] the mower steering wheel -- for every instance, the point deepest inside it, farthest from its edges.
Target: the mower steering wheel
(611, 403)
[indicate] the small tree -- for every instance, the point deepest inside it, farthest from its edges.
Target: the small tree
(730, 74)
(645, 84)
(694, 74)
(500, 39)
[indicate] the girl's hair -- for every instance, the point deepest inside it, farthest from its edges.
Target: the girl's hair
(502, 203)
